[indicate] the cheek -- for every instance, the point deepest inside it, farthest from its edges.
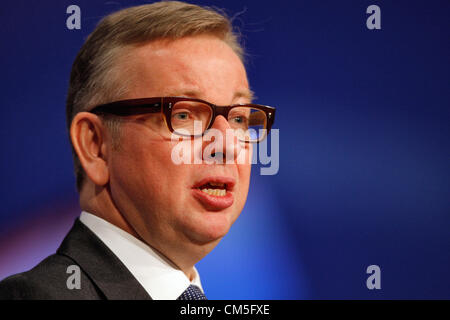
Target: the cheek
(244, 170)
(245, 167)
(148, 187)
(244, 180)
(142, 169)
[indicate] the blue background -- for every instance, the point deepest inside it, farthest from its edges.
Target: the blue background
(364, 147)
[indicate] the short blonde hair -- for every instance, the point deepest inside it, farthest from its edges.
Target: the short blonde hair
(95, 78)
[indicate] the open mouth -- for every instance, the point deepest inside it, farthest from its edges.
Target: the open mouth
(214, 189)
(214, 193)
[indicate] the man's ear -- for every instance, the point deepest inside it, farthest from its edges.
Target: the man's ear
(87, 133)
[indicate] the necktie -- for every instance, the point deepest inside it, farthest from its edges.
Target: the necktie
(192, 293)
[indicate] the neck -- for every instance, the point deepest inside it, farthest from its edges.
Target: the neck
(97, 200)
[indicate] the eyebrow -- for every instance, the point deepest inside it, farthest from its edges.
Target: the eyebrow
(245, 93)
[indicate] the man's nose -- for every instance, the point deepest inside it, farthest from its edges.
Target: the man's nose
(220, 143)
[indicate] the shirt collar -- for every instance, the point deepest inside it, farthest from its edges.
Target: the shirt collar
(157, 275)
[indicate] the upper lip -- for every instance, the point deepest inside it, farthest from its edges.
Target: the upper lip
(227, 181)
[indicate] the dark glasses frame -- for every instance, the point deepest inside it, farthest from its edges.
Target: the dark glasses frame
(164, 105)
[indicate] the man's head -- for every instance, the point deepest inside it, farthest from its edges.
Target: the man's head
(124, 168)
(98, 77)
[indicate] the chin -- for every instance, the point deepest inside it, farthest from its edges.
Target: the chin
(212, 227)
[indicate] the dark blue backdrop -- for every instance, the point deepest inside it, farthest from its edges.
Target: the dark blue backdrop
(364, 147)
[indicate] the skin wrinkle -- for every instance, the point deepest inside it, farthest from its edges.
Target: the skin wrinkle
(247, 95)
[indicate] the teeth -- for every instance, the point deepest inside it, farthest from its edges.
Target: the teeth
(216, 184)
(215, 192)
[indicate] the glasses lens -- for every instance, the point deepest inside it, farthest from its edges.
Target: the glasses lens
(190, 118)
(249, 123)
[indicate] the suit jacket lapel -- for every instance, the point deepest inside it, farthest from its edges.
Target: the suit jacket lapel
(101, 265)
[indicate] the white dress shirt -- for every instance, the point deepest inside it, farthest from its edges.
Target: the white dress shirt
(159, 277)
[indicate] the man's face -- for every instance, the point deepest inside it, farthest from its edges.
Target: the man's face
(158, 198)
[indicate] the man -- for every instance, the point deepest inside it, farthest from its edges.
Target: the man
(145, 75)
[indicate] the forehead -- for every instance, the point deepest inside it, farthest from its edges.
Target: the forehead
(201, 66)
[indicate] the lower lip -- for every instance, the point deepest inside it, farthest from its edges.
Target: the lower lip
(213, 203)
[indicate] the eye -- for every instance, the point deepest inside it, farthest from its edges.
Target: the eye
(181, 115)
(239, 119)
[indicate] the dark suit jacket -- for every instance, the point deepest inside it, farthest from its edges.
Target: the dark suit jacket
(103, 275)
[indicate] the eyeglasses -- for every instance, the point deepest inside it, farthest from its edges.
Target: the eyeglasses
(251, 123)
